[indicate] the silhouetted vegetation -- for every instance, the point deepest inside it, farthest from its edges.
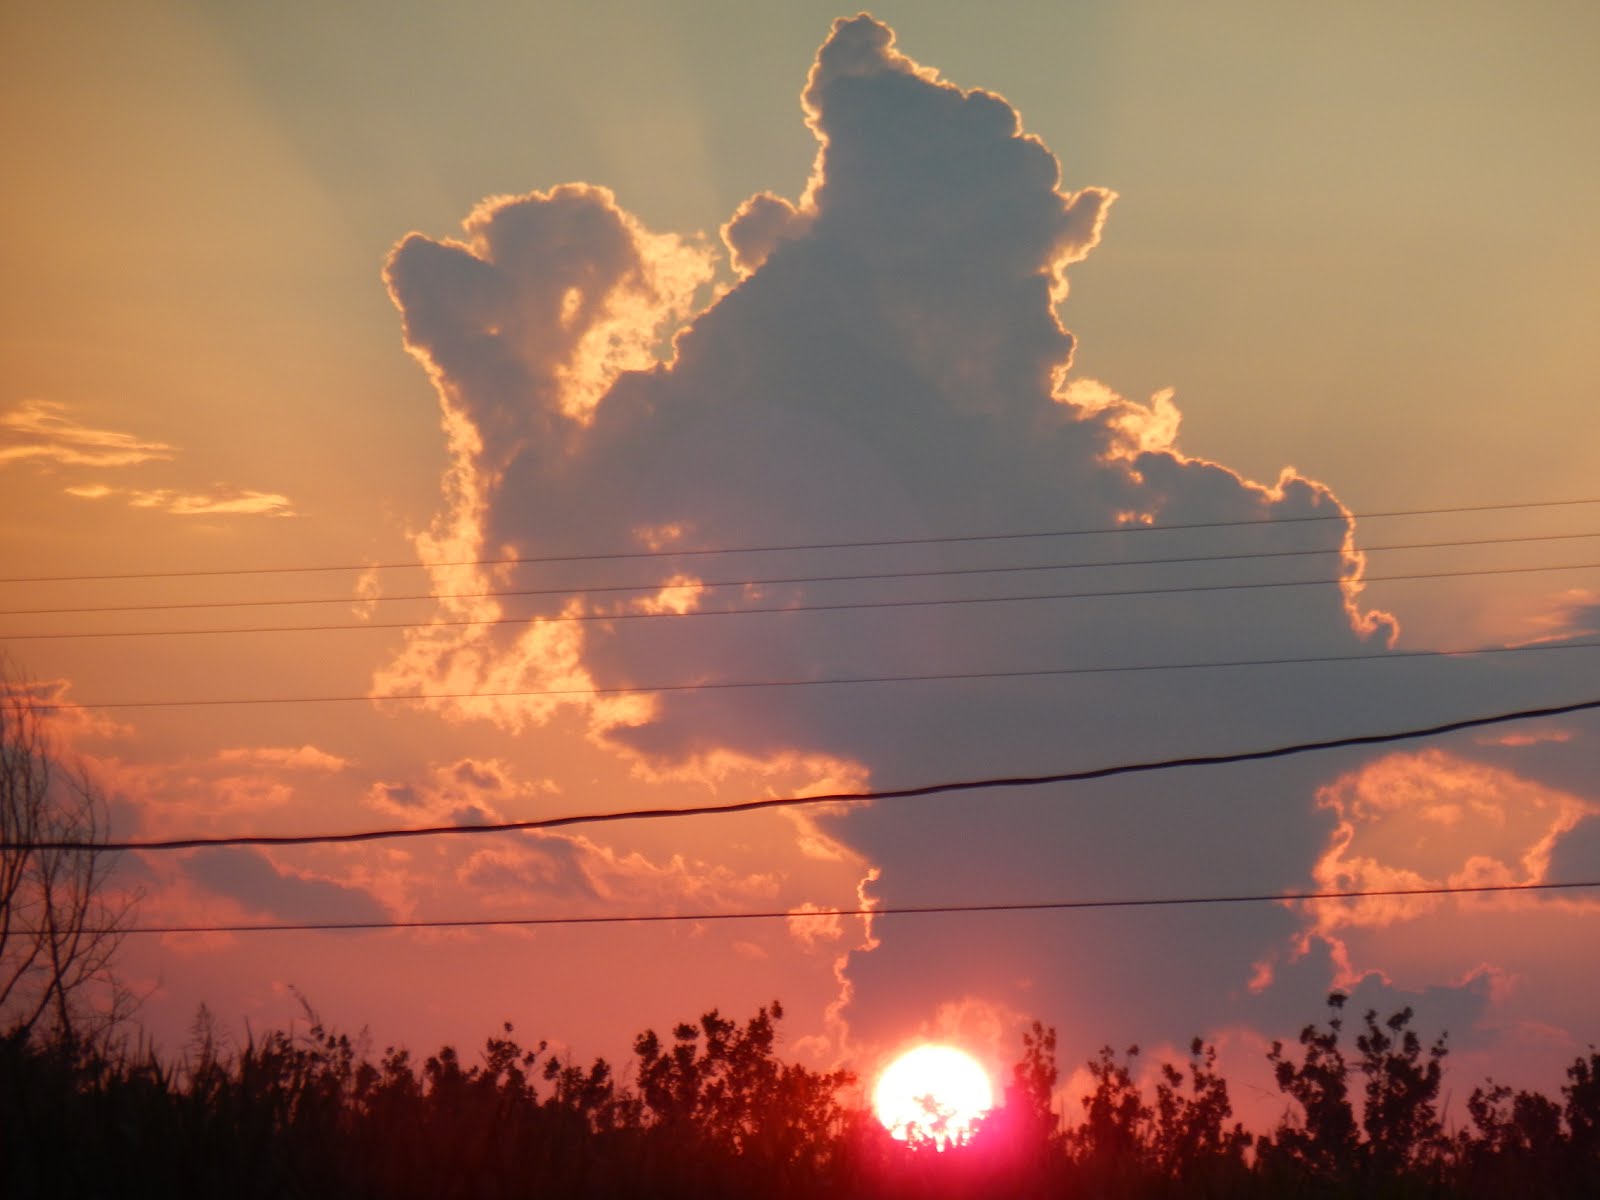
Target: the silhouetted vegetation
(714, 1111)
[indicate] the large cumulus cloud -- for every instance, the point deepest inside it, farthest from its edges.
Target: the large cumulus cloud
(888, 362)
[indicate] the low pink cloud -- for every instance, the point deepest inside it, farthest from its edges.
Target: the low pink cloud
(60, 715)
(812, 925)
(295, 758)
(466, 791)
(1519, 738)
(217, 791)
(598, 877)
(1432, 819)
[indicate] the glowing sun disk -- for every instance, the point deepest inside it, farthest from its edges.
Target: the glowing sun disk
(932, 1094)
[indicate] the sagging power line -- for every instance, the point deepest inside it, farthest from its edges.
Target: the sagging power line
(932, 789)
(885, 911)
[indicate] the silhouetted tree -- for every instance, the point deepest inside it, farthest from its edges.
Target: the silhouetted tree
(1033, 1077)
(1322, 1142)
(1515, 1147)
(1020, 1141)
(722, 1089)
(1514, 1124)
(1583, 1100)
(1116, 1117)
(1583, 1117)
(1193, 1141)
(1400, 1116)
(58, 929)
(1029, 1106)
(588, 1095)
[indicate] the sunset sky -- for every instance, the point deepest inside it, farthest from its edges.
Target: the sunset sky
(392, 289)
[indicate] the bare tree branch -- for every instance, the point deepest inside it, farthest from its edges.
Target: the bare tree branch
(59, 927)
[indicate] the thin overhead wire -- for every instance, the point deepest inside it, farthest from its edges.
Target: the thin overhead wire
(786, 580)
(620, 555)
(931, 789)
(885, 911)
(722, 685)
(756, 610)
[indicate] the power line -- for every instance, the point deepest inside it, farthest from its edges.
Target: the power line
(931, 789)
(716, 685)
(756, 610)
(887, 911)
(931, 573)
(611, 556)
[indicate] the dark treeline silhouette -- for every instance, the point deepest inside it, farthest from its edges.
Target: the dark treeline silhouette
(714, 1111)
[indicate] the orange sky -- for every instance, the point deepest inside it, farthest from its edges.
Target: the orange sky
(1363, 257)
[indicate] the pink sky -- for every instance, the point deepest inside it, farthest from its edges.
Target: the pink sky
(889, 339)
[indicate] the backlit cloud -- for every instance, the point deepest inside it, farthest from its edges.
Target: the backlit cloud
(891, 366)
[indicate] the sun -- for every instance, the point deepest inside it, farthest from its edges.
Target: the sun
(932, 1095)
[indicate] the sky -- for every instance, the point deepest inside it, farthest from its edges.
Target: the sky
(309, 311)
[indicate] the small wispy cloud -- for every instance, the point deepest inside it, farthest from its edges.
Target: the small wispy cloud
(41, 430)
(220, 500)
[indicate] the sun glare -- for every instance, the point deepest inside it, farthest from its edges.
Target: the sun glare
(932, 1095)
